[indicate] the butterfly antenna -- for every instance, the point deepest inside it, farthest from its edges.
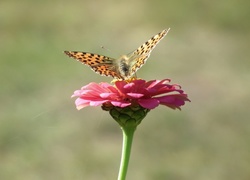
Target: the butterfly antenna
(105, 48)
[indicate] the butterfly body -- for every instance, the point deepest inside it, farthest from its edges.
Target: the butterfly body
(124, 67)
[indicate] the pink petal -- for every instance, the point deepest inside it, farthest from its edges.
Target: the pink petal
(175, 100)
(135, 95)
(80, 107)
(81, 103)
(120, 104)
(97, 103)
(119, 85)
(148, 103)
(107, 95)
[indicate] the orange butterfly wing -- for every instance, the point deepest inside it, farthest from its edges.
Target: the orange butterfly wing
(102, 65)
(140, 55)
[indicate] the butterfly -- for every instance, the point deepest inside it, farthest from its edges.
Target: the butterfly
(124, 67)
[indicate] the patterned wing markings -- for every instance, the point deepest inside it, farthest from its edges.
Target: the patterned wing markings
(102, 65)
(140, 55)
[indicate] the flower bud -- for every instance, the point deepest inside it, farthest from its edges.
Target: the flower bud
(127, 116)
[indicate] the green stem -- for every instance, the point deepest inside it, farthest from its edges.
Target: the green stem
(128, 133)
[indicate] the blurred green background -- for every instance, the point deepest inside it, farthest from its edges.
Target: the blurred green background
(43, 136)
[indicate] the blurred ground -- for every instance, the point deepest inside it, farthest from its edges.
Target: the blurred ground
(43, 136)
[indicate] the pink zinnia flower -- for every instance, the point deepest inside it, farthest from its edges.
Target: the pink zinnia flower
(122, 94)
(128, 103)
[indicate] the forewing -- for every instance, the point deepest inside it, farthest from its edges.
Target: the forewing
(102, 65)
(140, 55)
